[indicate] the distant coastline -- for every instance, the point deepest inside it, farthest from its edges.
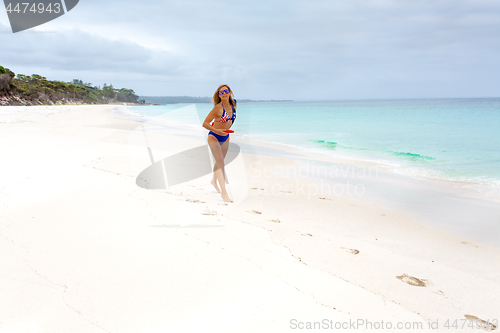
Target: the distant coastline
(190, 99)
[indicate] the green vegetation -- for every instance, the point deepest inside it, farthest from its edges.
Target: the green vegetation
(36, 89)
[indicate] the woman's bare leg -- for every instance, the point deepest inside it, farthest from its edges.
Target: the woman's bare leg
(224, 147)
(214, 180)
(216, 149)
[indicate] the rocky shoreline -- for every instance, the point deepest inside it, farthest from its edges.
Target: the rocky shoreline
(12, 99)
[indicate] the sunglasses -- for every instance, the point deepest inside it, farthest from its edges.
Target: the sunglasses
(225, 91)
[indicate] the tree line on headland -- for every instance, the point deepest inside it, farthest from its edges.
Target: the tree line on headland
(37, 90)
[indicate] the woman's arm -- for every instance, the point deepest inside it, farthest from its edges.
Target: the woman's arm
(211, 116)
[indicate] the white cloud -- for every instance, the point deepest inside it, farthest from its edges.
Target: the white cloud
(273, 49)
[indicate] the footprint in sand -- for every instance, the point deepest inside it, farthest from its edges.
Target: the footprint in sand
(276, 221)
(254, 212)
(209, 212)
(325, 199)
(193, 200)
(483, 324)
(306, 234)
(352, 251)
(412, 281)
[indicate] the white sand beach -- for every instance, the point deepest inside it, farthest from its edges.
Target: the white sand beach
(87, 248)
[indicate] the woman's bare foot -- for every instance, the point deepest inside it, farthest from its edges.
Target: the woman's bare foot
(226, 198)
(214, 183)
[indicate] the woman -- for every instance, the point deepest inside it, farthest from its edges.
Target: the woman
(223, 114)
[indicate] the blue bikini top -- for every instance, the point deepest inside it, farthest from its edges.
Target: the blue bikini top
(225, 117)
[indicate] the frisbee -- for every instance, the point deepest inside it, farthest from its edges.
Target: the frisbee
(228, 131)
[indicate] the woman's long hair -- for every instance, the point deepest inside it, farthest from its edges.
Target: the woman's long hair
(216, 99)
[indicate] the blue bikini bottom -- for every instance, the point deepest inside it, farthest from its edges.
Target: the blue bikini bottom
(220, 138)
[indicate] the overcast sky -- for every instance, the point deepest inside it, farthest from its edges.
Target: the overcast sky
(272, 49)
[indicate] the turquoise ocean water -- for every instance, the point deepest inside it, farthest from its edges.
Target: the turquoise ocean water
(451, 139)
